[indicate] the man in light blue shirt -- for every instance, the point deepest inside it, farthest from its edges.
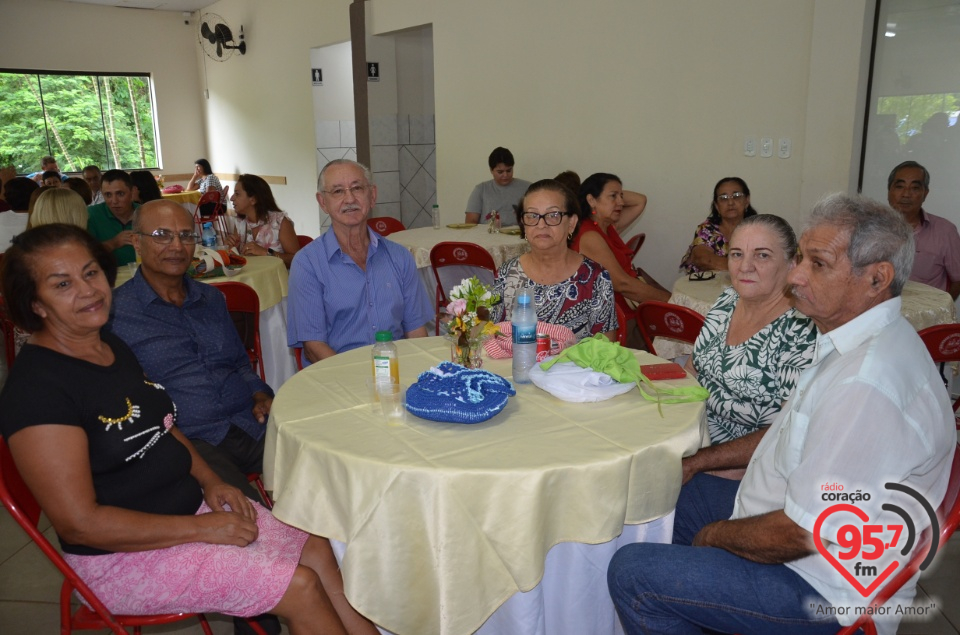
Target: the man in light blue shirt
(352, 282)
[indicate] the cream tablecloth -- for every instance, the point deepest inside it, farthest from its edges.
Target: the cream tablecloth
(191, 197)
(420, 241)
(922, 305)
(268, 276)
(443, 522)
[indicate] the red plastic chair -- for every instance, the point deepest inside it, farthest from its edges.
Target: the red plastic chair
(25, 510)
(385, 225)
(457, 254)
(636, 243)
(622, 330)
(943, 344)
(662, 319)
(224, 197)
(948, 515)
(298, 353)
(210, 209)
(243, 303)
(304, 240)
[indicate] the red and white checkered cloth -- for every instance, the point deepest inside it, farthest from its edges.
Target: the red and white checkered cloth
(501, 346)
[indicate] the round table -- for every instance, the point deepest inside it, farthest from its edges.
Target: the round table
(191, 197)
(922, 306)
(443, 523)
(420, 241)
(267, 276)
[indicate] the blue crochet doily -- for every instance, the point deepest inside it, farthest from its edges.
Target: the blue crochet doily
(454, 394)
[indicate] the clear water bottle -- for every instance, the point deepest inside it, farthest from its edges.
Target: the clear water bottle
(524, 326)
(435, 215)
(209, 235)
(386, 364)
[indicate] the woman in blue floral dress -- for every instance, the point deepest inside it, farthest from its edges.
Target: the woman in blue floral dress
(754, 344)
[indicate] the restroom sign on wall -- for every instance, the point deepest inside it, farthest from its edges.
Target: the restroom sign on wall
(317, 76)
(373, 71)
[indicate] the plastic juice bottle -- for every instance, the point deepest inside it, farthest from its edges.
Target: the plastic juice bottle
(386, 363)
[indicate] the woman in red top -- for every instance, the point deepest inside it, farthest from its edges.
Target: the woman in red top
(605, 209)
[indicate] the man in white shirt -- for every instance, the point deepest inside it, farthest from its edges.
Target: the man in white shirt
(870, 410)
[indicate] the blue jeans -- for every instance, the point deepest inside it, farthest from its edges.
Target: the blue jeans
(682, 590)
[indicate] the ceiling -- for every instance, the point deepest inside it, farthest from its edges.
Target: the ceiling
(158, 5)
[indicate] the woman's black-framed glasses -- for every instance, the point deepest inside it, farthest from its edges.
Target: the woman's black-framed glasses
(165, 237)
(531, 219)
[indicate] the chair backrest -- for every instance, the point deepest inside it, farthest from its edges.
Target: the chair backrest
(948, 515)
(225, 196)
(243, 303)
(458, 254)
(304, 240)
(662, 319)
(635, 243)
(622, 330)
(209, 206)
(385, 225)
(943, 342)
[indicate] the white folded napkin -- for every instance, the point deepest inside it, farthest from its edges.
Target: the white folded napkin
(569, 382)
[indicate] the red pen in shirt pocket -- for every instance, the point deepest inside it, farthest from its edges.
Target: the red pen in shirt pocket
(655, 372)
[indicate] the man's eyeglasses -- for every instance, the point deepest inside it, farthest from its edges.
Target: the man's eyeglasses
(531, 219)
(165, 237)
(736, 196)
(339, 192)
(697, 276)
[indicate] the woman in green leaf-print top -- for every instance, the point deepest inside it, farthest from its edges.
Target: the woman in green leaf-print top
(754, 344)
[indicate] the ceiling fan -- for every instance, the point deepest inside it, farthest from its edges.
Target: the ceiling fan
(216, 38)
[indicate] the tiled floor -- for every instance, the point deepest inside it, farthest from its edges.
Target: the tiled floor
(30, 587)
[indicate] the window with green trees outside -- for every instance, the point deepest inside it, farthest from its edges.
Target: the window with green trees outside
(79, 119)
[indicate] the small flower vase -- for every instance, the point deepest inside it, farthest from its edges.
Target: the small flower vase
(468, 356)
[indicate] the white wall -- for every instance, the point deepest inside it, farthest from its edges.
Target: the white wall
(52, 35)
(660, 93)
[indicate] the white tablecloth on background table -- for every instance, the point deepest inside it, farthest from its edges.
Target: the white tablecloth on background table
(922, 306)
(444, 523)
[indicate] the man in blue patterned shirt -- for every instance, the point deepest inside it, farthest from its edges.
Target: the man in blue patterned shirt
(185, 340)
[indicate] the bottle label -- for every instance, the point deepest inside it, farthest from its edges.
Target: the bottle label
(524, 334)
(381, 366)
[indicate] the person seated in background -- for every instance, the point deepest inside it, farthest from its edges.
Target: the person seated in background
(731, 204)
(111, 222)
(351, 282)
(16, 192)
(81, 187)
(570, 179)
(606, 209)
(92, 175)
(569, 289)
(871, 409)
(141, 517)
(58, 205)
(937, 261)
(144, 187)
(203, 178)
(51, 178)
(263, 229)
(498, 194)
(753, 345)
(47, 164)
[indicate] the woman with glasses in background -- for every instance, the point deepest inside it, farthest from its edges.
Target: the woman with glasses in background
(568, 289)
(263, 229)
(731, 204)
(606, 209)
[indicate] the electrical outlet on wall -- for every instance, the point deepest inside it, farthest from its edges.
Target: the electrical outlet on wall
(785, 148)
(766, 147)
(750, 146)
